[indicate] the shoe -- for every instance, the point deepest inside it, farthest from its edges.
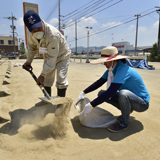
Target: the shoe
(116, 127)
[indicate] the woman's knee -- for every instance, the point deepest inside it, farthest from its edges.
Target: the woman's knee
(100, 92)
(123, 93)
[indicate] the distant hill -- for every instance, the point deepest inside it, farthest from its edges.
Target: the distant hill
(80, 49)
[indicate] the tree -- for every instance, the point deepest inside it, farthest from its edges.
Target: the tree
(152, 57)
(22, 49)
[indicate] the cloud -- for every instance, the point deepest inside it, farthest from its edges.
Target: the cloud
(2, 26)
(20, 22)
(6, 35)
(53, 22)
(141, 29)
(81, 27)
(155, 25)
(131, 27)
(111, 24)
(87, 21)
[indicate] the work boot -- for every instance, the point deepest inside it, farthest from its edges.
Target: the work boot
(48, 89)
(61, 92)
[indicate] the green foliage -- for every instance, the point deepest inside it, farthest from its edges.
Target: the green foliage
(158, 58)
(22, 49)
(153, 56)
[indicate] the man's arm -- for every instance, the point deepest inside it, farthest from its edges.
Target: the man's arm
(51, 55)
(32, 50)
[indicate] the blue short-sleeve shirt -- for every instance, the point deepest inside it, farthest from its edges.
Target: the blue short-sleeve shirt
(130, 80)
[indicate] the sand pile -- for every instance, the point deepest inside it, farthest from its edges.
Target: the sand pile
(45, 121)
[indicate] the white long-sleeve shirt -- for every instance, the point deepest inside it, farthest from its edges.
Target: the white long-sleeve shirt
(55, 44)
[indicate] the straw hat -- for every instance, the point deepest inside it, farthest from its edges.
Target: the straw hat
(109, 53)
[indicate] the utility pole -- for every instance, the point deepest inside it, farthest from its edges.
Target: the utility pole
(76, 36)
(88, 28)
(138, 15)
(13, 28)
(158, 47)
(59, 16)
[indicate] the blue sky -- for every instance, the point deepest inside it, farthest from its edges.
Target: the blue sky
(105, 21)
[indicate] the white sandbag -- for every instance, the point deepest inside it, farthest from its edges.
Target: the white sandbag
(97, 118)
(16, 65)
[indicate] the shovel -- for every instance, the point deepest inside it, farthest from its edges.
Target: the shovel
(47, 97)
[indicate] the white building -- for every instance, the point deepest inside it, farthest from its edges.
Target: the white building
(125, 48)
(7, 45)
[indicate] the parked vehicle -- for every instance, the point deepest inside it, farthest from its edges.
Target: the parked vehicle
(11, 55)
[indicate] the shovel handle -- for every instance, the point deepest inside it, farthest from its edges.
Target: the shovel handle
(35, 78)
(30, 71)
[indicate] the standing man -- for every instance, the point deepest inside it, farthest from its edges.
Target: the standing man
(49, 41)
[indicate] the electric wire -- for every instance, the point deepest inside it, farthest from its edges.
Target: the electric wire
(86, 7)
(92, 14)
(129, 17)
(53, 10)
(84, 12)
(113, 26)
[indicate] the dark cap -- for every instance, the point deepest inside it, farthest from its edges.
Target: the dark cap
(32, 20)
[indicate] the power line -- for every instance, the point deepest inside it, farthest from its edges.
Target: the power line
(125, 20)
(95, 13)
(121, 23)
(153, 17)
(113, 26)
(82, 15)
(53, 10)
(78, 9)
(86, 7)
(45, 4)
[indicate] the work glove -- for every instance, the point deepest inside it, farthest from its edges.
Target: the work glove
(81, 96)
(87, 109)
(27, 65)
(40, 80)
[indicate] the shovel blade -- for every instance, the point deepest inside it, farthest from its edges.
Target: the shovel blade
(46, 100)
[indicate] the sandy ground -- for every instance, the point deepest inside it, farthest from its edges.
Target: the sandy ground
(34, 132)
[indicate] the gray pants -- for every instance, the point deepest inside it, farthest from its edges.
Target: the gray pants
(62, 71)
(126, 101)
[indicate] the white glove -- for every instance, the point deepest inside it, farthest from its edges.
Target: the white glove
(81, 96)
(87, 109)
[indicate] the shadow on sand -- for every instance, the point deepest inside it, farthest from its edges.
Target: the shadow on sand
(101, 133)
(20, 117)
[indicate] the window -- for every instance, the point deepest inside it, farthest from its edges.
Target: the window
(1, 41)
(10, 41)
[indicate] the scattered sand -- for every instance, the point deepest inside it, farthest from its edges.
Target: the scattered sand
(52, 131)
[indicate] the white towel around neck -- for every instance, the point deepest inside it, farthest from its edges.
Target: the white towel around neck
(110, 75)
